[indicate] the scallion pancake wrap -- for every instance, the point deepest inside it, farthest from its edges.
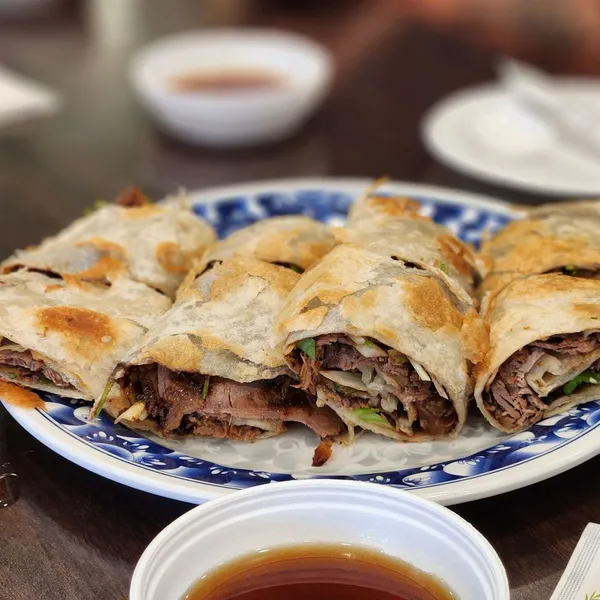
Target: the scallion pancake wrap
(383, 343)
(394, 227)
(544, 352)
(210, 367)
(155, 244)
(295, 241)
(66, 335)
(555, 239)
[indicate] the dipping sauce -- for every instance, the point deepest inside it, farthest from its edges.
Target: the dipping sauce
(227, 81)
(320, 572)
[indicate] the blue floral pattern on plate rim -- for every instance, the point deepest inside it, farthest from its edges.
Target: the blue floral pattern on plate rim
(128, 446)
(329, 203)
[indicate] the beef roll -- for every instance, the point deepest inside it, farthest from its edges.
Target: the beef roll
(210, 366)
(65, 335)
(395, 227)
(544, 355)
(154, 244)
(384, 343)
(293, 241)
(561, 238)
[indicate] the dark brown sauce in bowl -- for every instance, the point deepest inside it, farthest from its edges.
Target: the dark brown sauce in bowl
(226, 81)
(311, 572)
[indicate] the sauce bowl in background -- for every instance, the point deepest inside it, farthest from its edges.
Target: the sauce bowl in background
(251, 86)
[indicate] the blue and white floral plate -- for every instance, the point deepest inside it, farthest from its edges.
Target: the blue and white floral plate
(481, 462)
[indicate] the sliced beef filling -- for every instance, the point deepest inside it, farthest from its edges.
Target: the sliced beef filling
(218, 428)
(511, 399)
(184, 403)
(573, 343)
(28, 370)
(417, 404)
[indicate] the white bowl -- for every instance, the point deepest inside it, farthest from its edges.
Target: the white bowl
(402, 525)
(228, 119)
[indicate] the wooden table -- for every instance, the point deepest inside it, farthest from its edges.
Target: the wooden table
(76, 536)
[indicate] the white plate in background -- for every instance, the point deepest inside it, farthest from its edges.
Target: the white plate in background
(482, 132)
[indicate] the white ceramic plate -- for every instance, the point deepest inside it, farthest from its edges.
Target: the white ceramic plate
(482, 462)
(482, 132)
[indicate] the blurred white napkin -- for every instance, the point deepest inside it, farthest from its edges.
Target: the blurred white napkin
(24, 100)
(581, 580)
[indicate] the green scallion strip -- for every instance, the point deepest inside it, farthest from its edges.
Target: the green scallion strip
(585, 377)
(372, 416)
(103, 399)
(308, 346)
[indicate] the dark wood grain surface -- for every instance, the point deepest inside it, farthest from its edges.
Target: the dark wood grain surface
(76, 536)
